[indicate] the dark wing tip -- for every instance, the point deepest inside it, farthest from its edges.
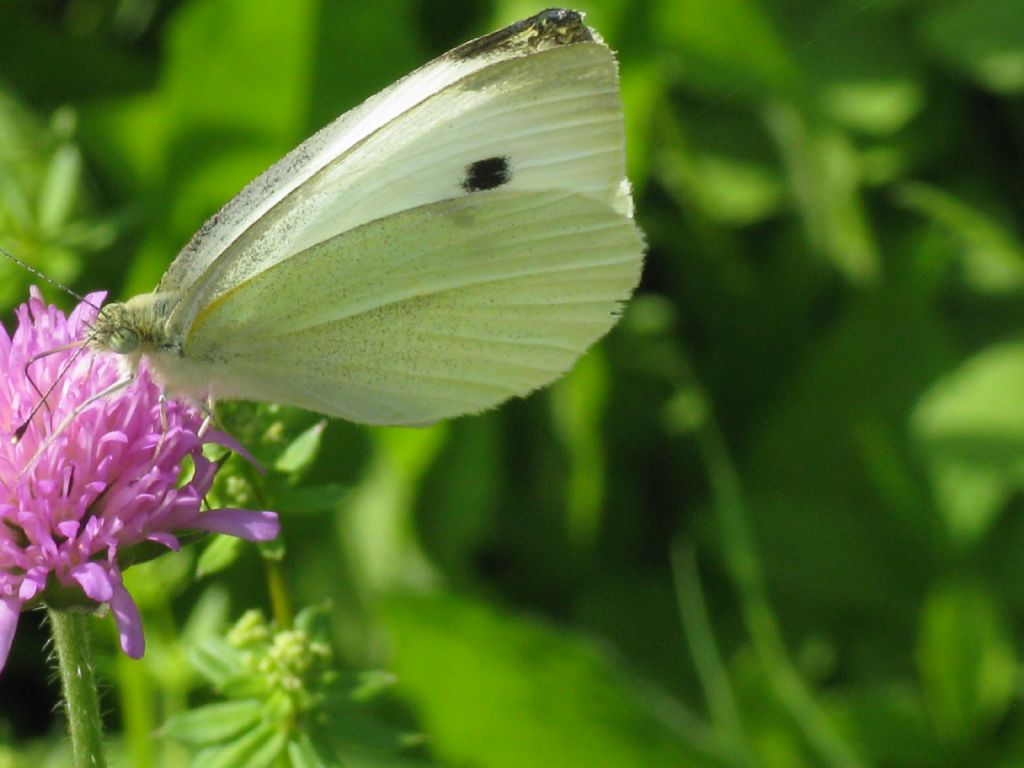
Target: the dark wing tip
(552, 28)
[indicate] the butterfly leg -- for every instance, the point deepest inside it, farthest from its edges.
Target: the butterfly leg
(163, 410)
(211, 417)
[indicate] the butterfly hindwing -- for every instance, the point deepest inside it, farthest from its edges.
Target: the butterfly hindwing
(444, 309)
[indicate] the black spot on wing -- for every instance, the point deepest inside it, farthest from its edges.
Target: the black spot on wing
(488, 173)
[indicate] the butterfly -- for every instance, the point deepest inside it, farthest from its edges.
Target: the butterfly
(460, 238)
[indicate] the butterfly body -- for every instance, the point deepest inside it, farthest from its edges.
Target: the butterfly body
(458, 239)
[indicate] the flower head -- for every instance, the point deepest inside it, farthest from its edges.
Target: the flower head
(92, 475)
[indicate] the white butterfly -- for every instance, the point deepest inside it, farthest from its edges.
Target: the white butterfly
(458, 239)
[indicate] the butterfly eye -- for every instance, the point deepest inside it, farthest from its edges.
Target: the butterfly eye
(123, 340)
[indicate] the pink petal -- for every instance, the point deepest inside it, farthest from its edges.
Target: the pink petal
(243, 523)
(226, 440)
(10, 610)
(169, 541)
(129, 622)
(33, 583)
(94, 580)
(114, 437)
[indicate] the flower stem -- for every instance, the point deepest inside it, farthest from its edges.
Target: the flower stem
(78, 681)
(280, 600)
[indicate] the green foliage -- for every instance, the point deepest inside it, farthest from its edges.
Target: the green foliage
(45, 216)
(284, 703)
(515, 689)
(774, 519)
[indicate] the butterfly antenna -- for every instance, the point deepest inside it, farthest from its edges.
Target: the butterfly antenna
(79, 347)
(46, 278)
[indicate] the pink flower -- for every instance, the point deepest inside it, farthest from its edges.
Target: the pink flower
(78, 489)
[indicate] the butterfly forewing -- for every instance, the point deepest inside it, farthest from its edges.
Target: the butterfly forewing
(550, 28)
(551, 120)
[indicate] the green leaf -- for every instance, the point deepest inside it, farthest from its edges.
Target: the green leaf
(970, 425)
(152, 582)
(214, 723)
(218, 555)
(643, 92)
(302, 451)
(231, 66)
(224, 110)
(810, 470)
(259, 748)
(992, 256)
(721, 162)
(826, 176)
(303, 754)
(376, 521)
(578, 405)
(373, 683)
(60, 189)
(454, 541)
(891, 722)
(217, 661)
(728, 45)
(984, 39)
(865, 75)
(208, 616)
(309, 499)
(497, 691)
(966, 661)
(348, 726)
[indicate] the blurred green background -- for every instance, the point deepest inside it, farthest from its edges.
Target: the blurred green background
(774, 519)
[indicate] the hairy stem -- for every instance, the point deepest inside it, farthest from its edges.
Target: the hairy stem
(78, 683)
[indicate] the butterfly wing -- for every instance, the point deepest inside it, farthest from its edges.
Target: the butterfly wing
(448, 308)
(532, 107)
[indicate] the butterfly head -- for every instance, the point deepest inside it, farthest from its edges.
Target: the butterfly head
(134, 327)
(114, 330)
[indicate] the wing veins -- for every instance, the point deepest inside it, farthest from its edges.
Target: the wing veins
(498, 341)
(394, 301)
